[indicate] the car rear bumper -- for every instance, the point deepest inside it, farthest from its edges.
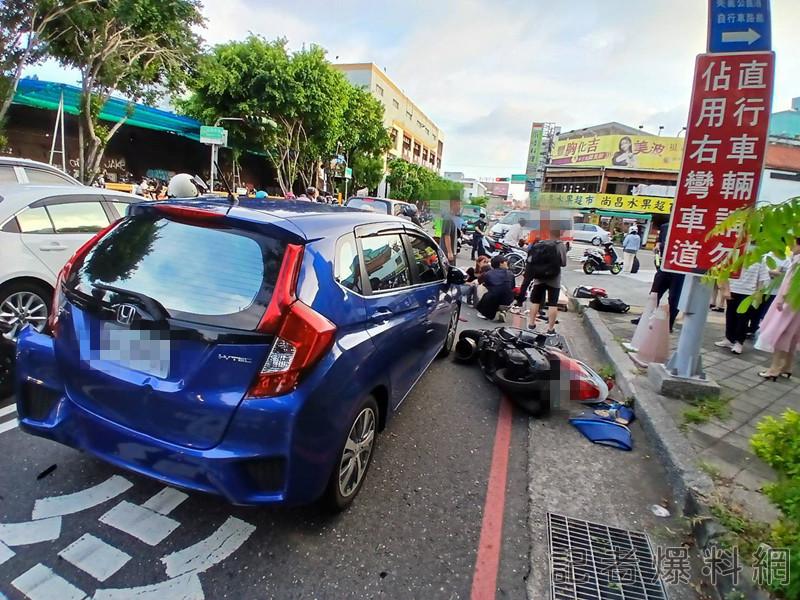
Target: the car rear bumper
(259, 461)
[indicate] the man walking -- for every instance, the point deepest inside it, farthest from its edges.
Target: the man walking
(477, 237)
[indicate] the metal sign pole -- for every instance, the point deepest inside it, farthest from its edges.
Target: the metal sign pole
(695, 301)
(213, 164)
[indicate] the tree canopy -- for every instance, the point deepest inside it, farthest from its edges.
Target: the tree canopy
(140, 48)
(413, 183)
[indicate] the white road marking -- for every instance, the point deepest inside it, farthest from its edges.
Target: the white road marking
(7, 410)
(30, 532)
(186, 587)
(40, 583)
(142, 523)
(93, 555)
(8, 425)
(5, 554)
(205, 554)
(88, 498)
(165, 501)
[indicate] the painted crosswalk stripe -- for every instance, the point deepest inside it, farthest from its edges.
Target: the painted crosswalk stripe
(95, 557)
(8, 425)
(208, 552)
(140, 522)
(165, 501)
(186, 587)
(40, 583)
(30, 532)
(7, 410)
(88, 498)
(5, 554)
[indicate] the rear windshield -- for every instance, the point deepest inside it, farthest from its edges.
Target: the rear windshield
(379, 206)
(219, 277)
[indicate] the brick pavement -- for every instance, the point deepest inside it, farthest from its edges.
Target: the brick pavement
(724, 443)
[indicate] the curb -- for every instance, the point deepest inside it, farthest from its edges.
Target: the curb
(688, 483)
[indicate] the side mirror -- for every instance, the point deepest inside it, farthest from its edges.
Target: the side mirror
(456, 276)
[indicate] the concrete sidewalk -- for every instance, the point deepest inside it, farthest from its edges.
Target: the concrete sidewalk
(724, 443)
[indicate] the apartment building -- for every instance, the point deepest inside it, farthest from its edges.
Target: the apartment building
(415, 137)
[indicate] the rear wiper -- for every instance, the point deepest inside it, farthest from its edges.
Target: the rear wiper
(154, 307)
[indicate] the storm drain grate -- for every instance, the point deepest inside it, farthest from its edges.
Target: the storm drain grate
(589, 561)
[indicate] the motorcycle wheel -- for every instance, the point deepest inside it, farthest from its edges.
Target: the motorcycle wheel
(616, 269)
(588, 268)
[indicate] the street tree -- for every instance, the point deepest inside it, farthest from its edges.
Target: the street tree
(764, 230)
(139, 48)
(367, 171)
(22, 24)
(414, 183)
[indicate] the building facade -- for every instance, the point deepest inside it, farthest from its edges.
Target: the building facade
(415, 138)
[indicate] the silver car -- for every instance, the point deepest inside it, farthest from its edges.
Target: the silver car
(22, 170)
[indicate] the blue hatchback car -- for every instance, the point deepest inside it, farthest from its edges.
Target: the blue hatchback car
(252, 351)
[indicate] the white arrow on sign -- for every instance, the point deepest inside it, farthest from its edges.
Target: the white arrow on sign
(749, 36)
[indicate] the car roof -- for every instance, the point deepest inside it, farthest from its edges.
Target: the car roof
(311, 219)
(27, 162)
(18, 195)
(379, 198)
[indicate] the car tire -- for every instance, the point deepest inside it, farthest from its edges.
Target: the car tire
(342, 490)
(588, 268)
(42, 296)
(450, 338)
(596, 241)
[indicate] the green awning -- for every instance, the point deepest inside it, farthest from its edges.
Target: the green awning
(45, 94)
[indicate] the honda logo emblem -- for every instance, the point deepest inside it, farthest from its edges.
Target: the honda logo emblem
(125, 313)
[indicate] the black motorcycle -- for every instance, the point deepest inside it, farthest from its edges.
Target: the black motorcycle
(595, 260)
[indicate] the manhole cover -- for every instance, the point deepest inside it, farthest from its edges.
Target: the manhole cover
(590, 561)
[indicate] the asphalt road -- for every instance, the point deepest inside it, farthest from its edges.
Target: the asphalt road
(413, 532)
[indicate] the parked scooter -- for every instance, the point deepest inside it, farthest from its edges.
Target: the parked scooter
(595, 260)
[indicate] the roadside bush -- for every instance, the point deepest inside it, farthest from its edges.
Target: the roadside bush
(778, 444)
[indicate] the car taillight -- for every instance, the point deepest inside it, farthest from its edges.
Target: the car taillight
(302, 335)
(58, 293)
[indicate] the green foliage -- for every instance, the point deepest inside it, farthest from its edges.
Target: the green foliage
(479, 201)
(414, 183)
(706, 407)
(778, 443)
(606, 371)
(767, 228)
(367, 171)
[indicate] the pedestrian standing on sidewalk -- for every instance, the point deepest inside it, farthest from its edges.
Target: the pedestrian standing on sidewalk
(664, 282)
(780, 330)
(630, 246)
(752, 279)
(781, 264)
(546, 256)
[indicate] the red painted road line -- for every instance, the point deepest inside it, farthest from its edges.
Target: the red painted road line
(484, 580)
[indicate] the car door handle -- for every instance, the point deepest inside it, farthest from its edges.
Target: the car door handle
(53, 247)
(381, 315)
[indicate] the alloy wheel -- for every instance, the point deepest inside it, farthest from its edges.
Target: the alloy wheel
(451, 331)
(357, 452)
(21, 309)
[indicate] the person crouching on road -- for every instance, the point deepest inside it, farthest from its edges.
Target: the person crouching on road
(499, 282)
(630, 246)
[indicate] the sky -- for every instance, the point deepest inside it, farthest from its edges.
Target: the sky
(484, 70)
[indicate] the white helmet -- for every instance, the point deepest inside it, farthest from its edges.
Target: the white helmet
(633, 229)
(182, 185)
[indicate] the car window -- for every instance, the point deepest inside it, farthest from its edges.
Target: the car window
(42, 176)
(429, 267)
(379, 206)
(200, 274)
(347, 268)
(121, 208)
(78, 217)
(398, 209)
(34, 220)
(8, 174)
(386, 262)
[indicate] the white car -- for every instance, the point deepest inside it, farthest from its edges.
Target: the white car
(594, 234)
(41, 227)
(499, 229)
(21, 170)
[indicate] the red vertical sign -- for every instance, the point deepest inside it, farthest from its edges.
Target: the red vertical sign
(723, 156)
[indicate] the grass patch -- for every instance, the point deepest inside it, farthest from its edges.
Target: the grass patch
(704, 408)
(606, 372)
(709, 469)
(743, 532)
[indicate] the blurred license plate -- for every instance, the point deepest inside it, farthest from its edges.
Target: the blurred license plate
(143, 350)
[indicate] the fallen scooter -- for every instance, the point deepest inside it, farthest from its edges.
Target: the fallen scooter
(595, 260)
(528, 369)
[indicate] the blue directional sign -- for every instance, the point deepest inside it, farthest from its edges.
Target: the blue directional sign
(739, 26)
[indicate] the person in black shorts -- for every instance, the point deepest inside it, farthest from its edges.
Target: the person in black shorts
(548, 290)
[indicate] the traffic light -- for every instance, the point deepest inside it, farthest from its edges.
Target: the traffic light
(502, 179)
(262, 121)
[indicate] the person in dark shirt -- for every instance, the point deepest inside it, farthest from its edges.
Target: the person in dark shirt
(664, 282)
(499, 284)
(477, 237)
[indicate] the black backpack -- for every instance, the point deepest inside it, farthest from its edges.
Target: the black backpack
(543, 261)
(614, 305)
(635, 265)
